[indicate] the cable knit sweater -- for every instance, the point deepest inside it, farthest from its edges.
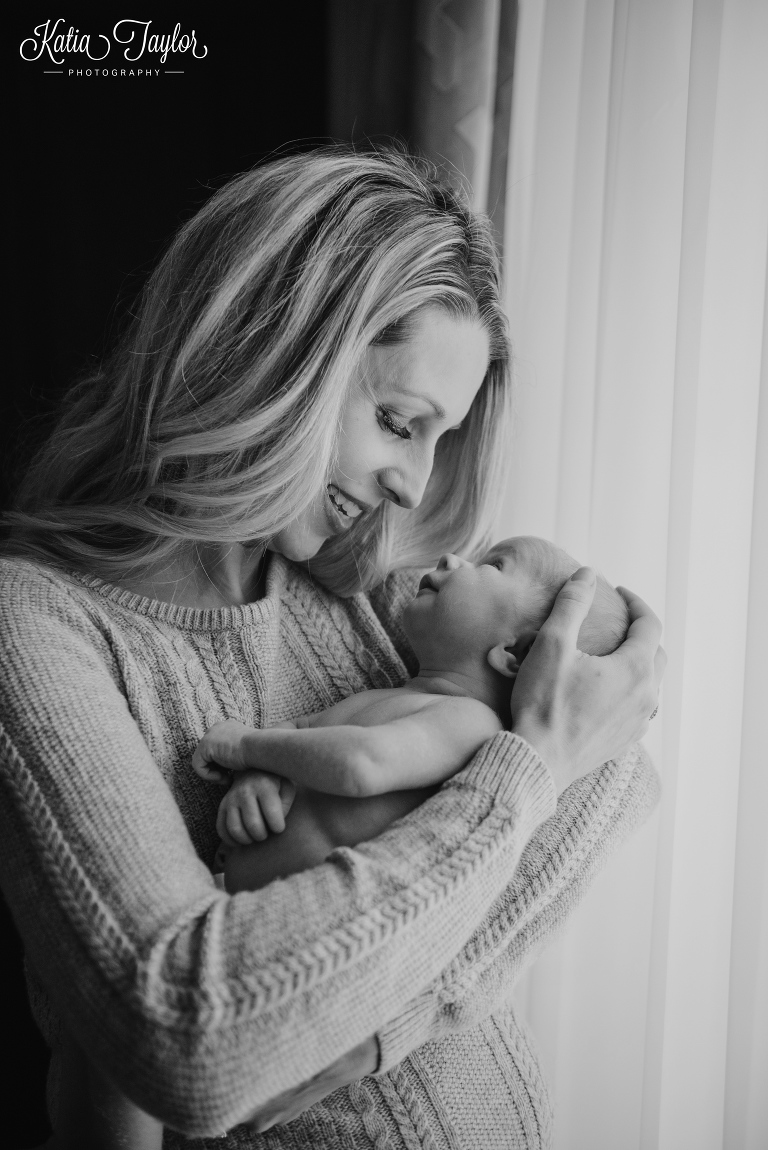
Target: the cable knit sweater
(202, 1005)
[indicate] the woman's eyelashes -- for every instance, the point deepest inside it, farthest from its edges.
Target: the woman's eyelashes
(389, 423)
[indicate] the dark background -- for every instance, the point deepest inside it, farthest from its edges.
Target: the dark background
(102, 172)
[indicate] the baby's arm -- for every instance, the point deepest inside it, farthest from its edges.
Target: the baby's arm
(417, 749)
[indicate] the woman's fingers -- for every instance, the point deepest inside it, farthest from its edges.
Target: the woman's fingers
(644, 624)
(641, 646)
(571, 607)
(659, 664)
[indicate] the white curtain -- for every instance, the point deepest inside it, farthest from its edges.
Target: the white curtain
(635, 244)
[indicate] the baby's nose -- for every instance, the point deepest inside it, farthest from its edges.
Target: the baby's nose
(450, 562)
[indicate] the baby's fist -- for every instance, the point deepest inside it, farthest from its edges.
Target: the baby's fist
(221, 745)
(256, 803)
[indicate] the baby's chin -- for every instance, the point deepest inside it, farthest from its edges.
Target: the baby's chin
(416, 613)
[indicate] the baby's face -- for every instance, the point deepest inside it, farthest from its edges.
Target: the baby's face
(465, 609)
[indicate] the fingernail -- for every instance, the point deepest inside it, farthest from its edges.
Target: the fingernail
(583, 575)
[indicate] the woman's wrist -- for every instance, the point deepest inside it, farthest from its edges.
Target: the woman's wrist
(547, 748)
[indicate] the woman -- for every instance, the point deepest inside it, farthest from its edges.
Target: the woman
(314, 392)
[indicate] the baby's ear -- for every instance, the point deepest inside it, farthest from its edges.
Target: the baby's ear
(503, 660)
(523, 644)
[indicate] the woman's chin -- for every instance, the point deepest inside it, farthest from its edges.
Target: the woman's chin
(296, 544)
(297, 552)
(300, 541)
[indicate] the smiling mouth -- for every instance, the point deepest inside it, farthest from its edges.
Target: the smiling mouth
(344, 505)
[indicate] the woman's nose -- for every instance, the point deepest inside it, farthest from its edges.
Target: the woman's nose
(407, 487)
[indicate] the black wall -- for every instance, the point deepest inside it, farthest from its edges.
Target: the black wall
(102, 171)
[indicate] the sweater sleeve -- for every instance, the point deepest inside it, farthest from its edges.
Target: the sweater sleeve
(199, 1005)
(557, 867)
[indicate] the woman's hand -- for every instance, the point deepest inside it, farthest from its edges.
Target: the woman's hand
(580, 710)
(355, 1064)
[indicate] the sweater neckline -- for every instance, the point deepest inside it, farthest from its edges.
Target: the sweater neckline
(195, 618)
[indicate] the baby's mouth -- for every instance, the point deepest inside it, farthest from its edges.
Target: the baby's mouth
(343, 503)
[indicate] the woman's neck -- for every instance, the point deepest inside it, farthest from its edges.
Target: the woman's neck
(224, 576)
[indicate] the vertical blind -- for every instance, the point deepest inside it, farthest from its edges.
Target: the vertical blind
(635, 240)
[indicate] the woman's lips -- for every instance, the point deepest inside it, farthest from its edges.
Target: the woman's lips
(426, 584)
(346, 509)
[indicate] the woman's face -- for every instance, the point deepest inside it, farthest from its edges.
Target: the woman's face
(409, 395)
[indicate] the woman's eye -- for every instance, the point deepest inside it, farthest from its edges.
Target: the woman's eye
(390, 424)
(497, 563)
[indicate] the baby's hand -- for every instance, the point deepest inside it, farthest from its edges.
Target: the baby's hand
(255, 804)
(221, 745)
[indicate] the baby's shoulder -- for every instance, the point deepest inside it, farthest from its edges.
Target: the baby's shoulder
(464, 709)
(449, 711)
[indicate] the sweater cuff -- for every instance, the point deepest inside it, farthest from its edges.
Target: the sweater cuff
(405, 1033)
(511, 770)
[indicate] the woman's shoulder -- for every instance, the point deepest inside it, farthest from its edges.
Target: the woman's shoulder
(30, 584)
(39, 601)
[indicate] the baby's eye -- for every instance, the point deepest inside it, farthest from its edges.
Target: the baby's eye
(389, 423)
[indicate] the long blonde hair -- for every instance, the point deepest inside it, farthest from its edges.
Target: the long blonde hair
(215, 420)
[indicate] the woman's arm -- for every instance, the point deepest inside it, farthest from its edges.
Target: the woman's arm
(594, 816)
(200, 1006)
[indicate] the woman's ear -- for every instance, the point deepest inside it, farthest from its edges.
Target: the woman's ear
(503, 660)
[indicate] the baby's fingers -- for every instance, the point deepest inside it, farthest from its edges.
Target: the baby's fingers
(252, 815)
(209, 771)
(287, 795)
(208, 760)
(238, 826)
(222, 745)
(272, 809)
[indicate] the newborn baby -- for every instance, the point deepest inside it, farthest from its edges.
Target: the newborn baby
(373, 757)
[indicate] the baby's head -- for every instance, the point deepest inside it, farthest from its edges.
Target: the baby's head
(489, 610)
